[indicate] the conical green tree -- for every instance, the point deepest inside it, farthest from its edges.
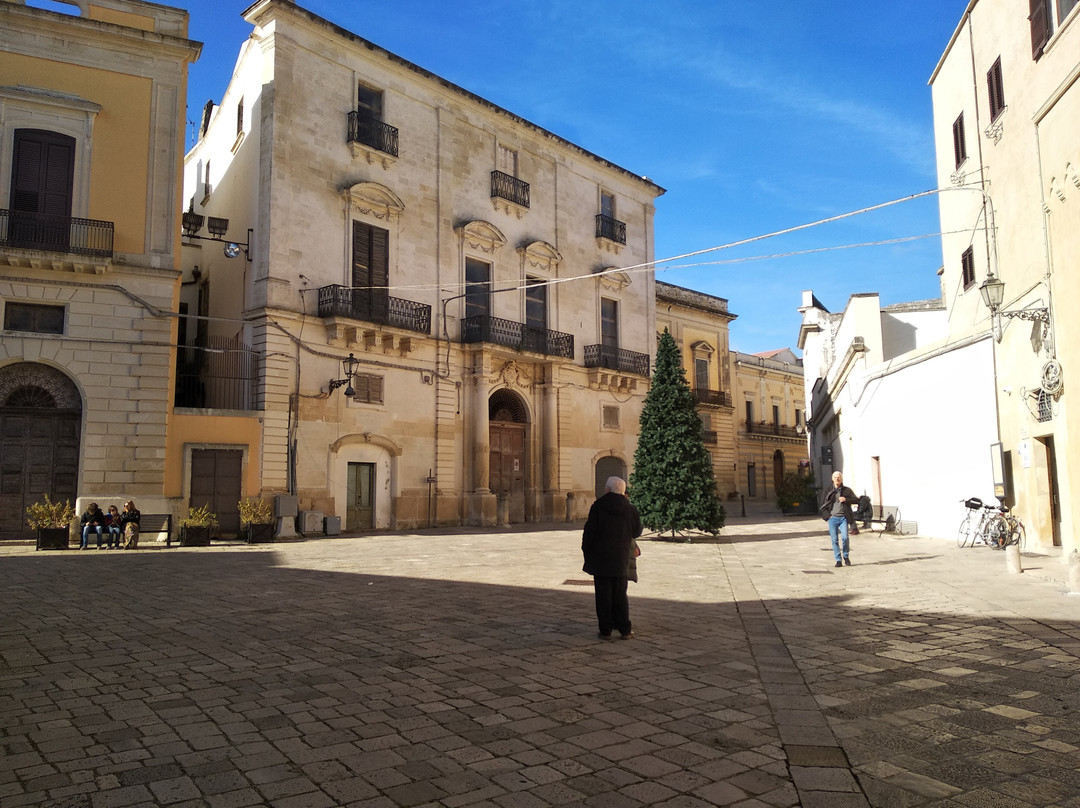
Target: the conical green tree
(672, 484)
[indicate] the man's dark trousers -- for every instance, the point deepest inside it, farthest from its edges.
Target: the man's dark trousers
(612, 605)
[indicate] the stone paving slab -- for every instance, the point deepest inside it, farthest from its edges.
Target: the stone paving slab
(461, 669)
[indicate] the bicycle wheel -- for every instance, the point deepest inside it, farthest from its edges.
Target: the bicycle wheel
(997, 532)
(1019, 535)
(963, 535)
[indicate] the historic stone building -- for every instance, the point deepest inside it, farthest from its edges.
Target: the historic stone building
(412, 314)
(750, 404)
(91, 148)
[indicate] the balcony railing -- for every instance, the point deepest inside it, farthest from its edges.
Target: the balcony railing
(604, 356)
(765, 428)
(63, 234)
(219, 373)
(373, 133)
(610, 228)
(504, 186)
(712, 398)
(509, 334)
(374, 307)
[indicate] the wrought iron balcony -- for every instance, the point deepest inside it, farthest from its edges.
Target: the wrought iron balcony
(610, 228)
(219, 373)
(373, 133)
(509, 334)
(604, 356)
(505, 186)
(776, 430)
(374, 307)
(63, 234)
(712, 398)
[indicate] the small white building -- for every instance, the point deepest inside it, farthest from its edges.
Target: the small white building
(903, 410)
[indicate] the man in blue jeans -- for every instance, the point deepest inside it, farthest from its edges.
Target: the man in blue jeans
(837, 506)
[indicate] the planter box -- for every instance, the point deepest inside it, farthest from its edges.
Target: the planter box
(259, 534)
(53, 538)
(194, 536)
(807, 507)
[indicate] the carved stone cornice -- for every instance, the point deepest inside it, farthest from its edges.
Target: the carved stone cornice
(612, 279)
(481, 235)
(373, 199)
(540, 255)
(516, 374)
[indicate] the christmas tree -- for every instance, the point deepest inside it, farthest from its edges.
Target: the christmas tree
(672, 484)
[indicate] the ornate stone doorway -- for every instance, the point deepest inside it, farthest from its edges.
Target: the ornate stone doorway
(40, 423)
(507, 434)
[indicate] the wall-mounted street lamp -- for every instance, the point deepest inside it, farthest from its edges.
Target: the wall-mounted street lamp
(993, 295)
(218, 227)
(349, 366)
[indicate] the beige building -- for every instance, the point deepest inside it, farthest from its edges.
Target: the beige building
(1007, 110)
(91, 147)
(750, 404)
(771, 425)
(458, 258)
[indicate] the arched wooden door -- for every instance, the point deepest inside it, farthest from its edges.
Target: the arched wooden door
(40, 422)
(507, 434)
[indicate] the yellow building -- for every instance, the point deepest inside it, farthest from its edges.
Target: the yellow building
(91, 144)
(750, 405)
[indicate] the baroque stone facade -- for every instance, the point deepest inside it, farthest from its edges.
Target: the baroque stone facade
(461, 256)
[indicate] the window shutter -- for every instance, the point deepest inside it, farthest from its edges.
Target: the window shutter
(361, 250)
(380, 257)
(375, 389)
(959, 144)
(1040, 26)
(996, 89)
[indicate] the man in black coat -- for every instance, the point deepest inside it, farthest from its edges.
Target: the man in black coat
(837, 510)
(607, 543)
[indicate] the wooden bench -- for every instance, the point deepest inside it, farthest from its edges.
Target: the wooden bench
(887, 516)
(155, 524)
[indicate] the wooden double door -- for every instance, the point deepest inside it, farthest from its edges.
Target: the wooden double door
(507, 465)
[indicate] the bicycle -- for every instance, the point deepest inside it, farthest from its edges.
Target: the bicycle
(1014, 530)
(989, 527)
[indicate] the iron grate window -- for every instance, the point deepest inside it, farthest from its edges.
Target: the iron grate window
(34, 318)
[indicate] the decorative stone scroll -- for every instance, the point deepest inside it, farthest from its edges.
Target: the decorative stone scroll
(373, 199)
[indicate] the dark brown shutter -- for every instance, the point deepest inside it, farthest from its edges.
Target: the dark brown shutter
(380, 257)
(959, 144)
(1040, 26)
(361, 249)
(996, 89)
(371, 256)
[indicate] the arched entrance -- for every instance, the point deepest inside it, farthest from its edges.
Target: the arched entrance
(40, 417)
(609, 466)
(777, 469)
(507, 432)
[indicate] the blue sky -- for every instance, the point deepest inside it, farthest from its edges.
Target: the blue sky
(754, 121)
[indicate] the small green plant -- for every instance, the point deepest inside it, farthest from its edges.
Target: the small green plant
(50, 514)
(199, 517)
(796, 490)
(255, 512)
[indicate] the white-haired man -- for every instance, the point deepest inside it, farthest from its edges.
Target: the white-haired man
(837, 509)
(608, 543)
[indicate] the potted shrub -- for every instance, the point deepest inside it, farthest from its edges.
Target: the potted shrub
(797, 494)
(196, 526)
(256, 520)
(52, 521)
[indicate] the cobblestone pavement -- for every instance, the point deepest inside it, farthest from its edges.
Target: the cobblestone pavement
(463, 669)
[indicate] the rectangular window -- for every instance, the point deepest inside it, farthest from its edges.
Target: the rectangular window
(959, 144)
(536, 304)
(369, 103)
(607, 204)
(749, 413)
(967, 267)
(701, 374)
(477, 288)
(609, 323)
(370, 272)
(996, 90)
(798, 415)
(506, 161)
(610, 417)
(34, 318)
(240, 117)
(776, 415)
(1041, 26)
(367, 388)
